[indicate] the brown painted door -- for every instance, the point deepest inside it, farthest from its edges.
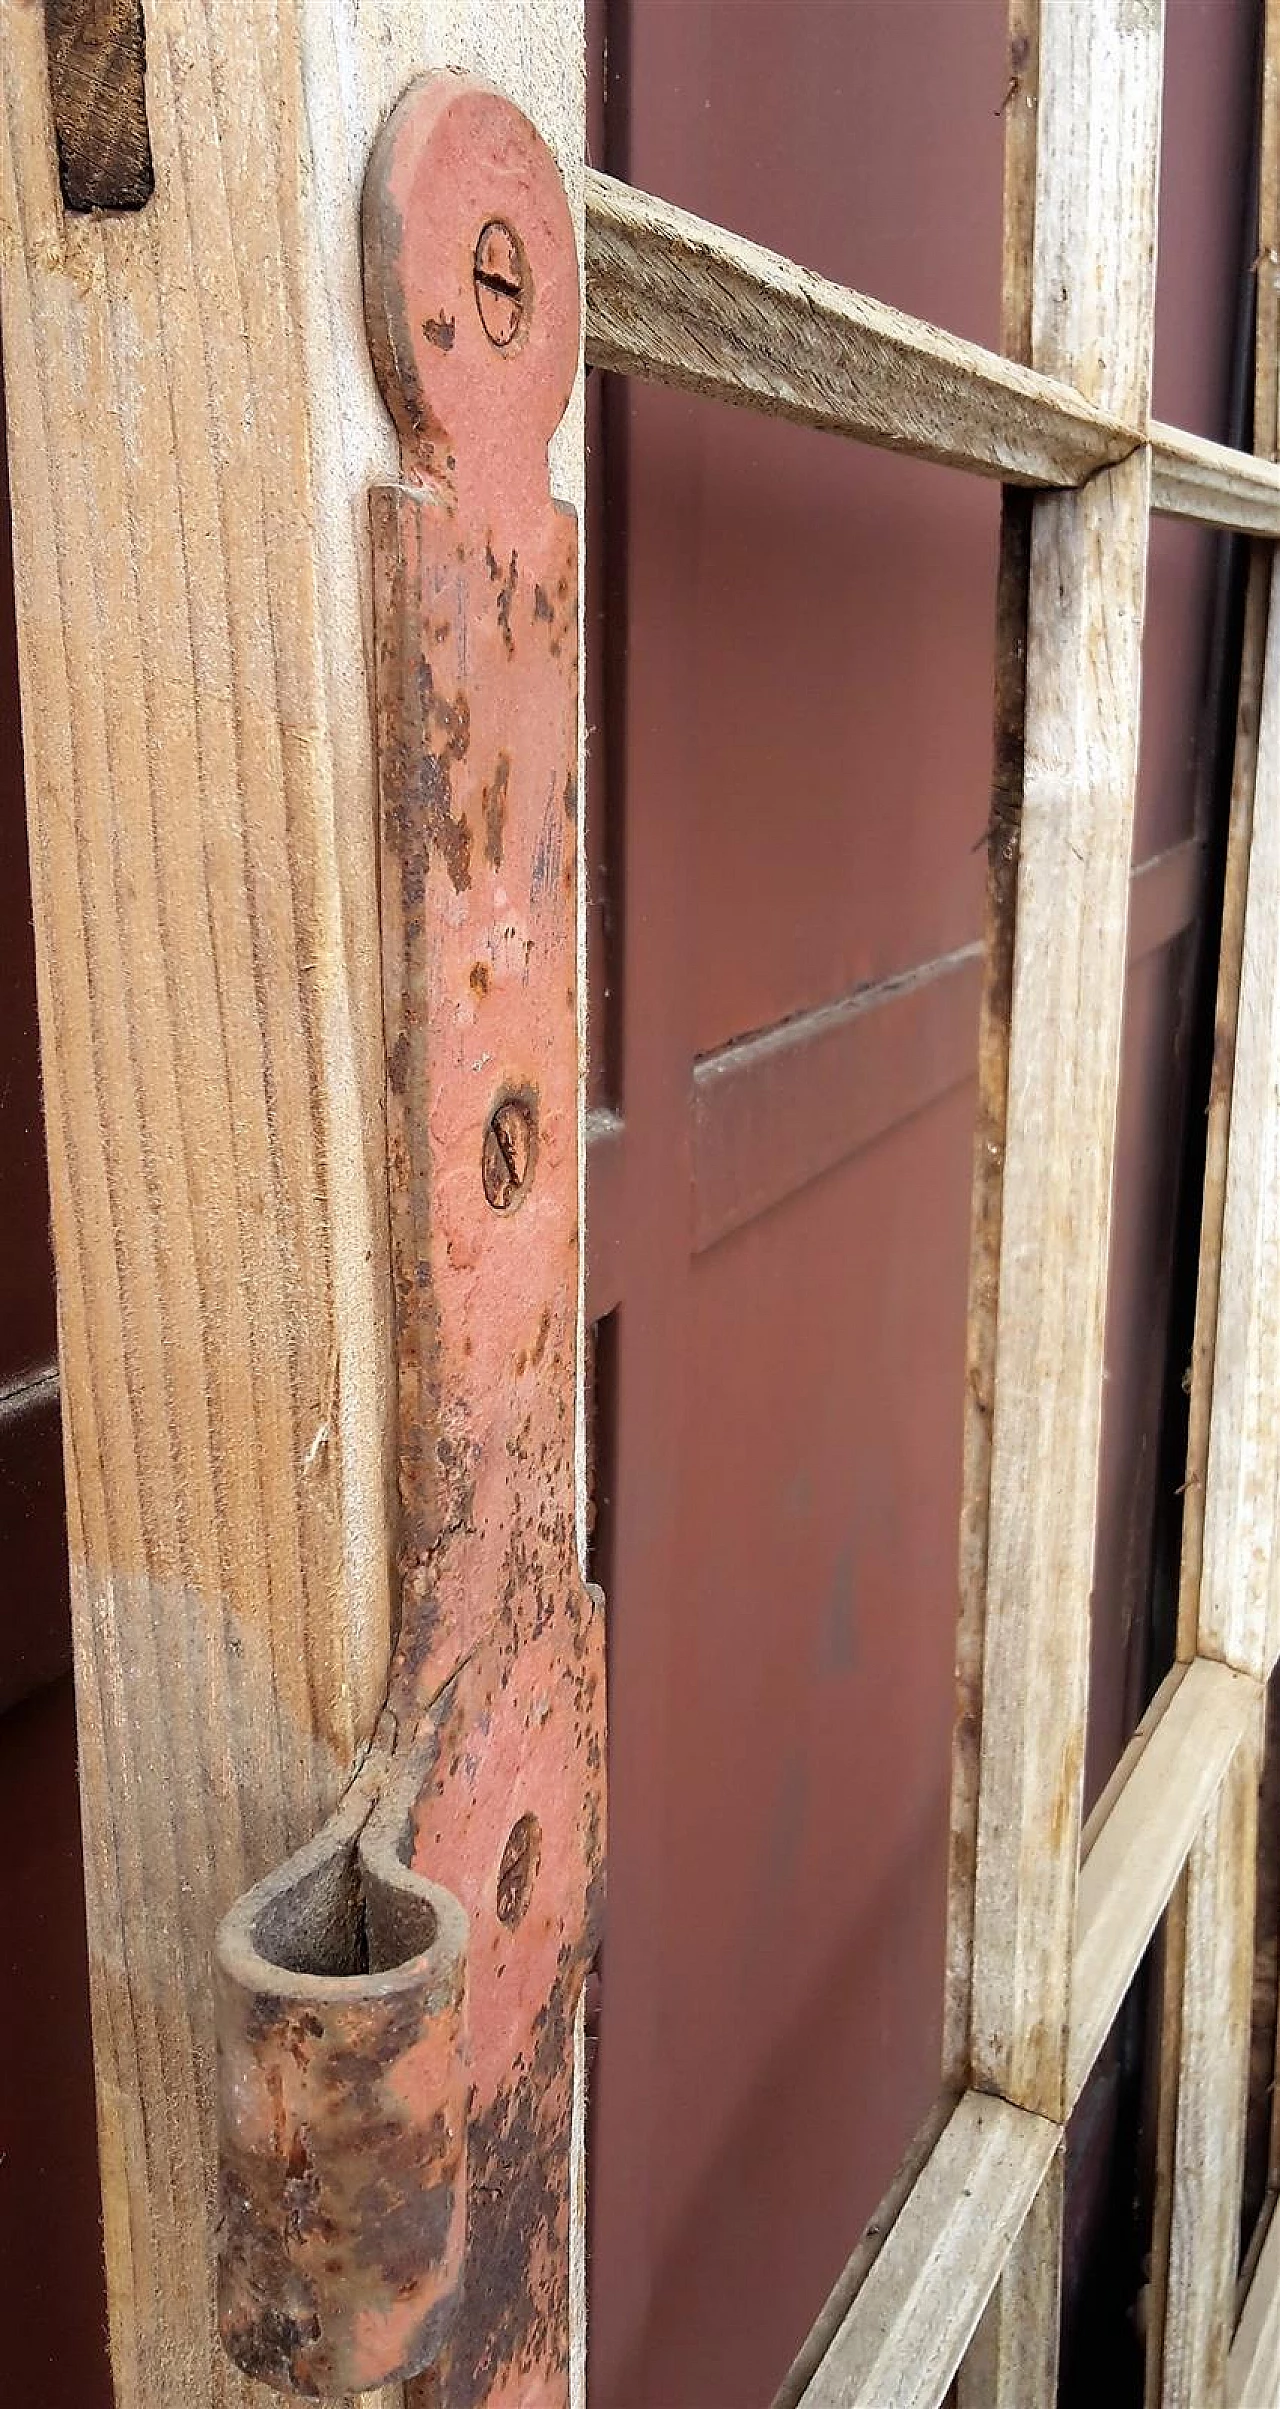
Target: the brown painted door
(792, 703)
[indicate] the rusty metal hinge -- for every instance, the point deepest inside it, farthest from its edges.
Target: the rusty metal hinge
(395, 2005)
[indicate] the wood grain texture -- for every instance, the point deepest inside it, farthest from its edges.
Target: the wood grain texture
(683, 302)
(1225, 1599)
(1142, 1846)
(1239, 1571)
(915, 2314)
(1091, 311)
(1192, 478)
(1253, 2362)
(1014, 2354)
(194, 428)
(853, 2275)
(673, 298)
(1197, 2231)
(1254, 647)
(990, 1118)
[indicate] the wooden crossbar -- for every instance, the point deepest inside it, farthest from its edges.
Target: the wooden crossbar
(1128, 1875)
(908, 2330)
(1197, 1743)
(682, 302)
(679, 301)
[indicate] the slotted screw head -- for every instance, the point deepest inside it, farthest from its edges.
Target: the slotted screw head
(507, 1157)
(501, 281)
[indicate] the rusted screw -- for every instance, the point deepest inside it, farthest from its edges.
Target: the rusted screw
(507, 1158)
(519, 1869)
(501, 280)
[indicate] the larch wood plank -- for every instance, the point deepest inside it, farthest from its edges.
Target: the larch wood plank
(1139, 1739)
(1092, 296)
(1266, 439)
(680, 301)
(194, 429)
(987, 1192)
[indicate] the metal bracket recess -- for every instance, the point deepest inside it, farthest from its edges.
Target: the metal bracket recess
(395, 2005)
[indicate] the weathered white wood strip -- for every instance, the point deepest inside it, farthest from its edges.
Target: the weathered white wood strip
(1092, 296)
(1093, 319)
(1141, 1848)
(1253, 2362)
(1139, 1739)
(1227, 1603)
(1239, 1585)
(1266, 441)
(680, 301)
(853, 2275)
(1198, 2202)
(987, 1194)
(1013, 2358)
(1192, 478)
(686, 303)
(914, 2316)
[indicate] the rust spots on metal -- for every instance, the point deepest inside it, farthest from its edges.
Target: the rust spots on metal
(501, 278)
(495, 810)
(519, 1869)
(395, 2005)
(510, 1147)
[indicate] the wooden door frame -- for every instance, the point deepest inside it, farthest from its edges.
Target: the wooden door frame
(193, 427)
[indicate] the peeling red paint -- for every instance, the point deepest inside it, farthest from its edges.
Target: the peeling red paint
(395, 2005)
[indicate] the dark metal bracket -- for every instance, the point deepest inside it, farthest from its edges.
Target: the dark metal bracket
(395, 2005)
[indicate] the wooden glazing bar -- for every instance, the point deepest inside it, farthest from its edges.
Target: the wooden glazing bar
(1232, 1610)
(680, 301)
(674, 299)
(912, 2320)
(1078, 303)
(1014, 2353)
(1142, 1846)
(853, 2275)
(1209, 1969)
(1092, 297)
(1226, 1605)
(1194, 479)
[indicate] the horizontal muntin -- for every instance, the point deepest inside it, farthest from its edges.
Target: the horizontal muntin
(679, 301)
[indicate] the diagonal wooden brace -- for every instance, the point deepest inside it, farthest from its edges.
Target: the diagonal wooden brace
(395, 2004)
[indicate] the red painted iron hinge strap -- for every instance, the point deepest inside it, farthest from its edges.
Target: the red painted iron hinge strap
(395, 2005)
